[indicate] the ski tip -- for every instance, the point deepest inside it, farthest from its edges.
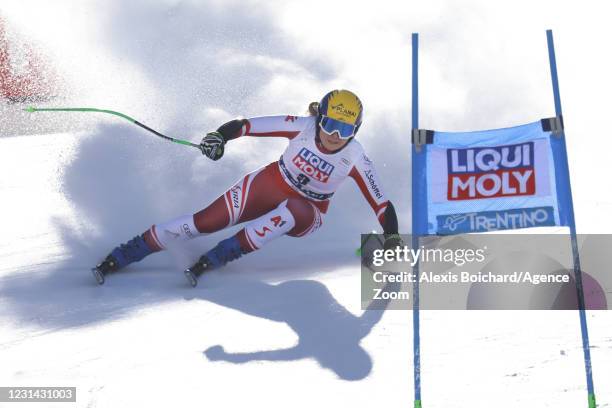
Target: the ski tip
(98, 276)
(30, 109)
(193, 281)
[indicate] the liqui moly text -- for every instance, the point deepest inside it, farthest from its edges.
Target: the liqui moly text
(313, 166)
(486, 172)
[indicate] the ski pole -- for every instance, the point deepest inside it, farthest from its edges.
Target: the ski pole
(134, 121)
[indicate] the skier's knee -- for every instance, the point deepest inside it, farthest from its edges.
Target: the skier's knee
(307, 217)
(264, 229)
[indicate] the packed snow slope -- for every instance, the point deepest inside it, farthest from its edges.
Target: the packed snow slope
(282, 326)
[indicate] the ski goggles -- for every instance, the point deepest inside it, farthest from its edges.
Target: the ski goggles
(344, 130)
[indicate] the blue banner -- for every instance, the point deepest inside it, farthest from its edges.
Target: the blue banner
(490, 180)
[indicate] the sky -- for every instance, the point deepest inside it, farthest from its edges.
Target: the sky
(185, 67)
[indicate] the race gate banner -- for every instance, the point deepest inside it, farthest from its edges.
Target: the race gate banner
(491, 180)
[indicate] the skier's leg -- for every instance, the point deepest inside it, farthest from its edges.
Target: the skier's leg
(251, 197)
(295, 217)
(153, 240)
(248, 198)
(132, 251)
(162, 235)
(230, 208)
(222, 213)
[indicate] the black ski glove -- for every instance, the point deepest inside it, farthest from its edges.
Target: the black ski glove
(213, 145)
(393, 241)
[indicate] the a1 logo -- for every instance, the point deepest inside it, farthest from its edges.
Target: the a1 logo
(278, 221)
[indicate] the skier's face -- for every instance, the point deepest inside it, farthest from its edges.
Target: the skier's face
(331, 142)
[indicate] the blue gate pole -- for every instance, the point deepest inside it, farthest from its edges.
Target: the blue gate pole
(572, 226)
(415, 238)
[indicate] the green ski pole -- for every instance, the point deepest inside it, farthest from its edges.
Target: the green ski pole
(134, 121)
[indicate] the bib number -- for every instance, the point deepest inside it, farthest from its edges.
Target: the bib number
(303, 179)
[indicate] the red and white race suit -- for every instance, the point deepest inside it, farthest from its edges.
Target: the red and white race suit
(285, 197)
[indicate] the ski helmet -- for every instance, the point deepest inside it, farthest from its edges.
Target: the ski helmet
(340, 111)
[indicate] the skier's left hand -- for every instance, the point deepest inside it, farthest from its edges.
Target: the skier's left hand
(213, 145)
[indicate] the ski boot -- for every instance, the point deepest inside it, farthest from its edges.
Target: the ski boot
(132, 251)
(103, 268)
(192, 274)
(225, 251)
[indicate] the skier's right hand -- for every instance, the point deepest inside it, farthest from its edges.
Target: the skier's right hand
(213, 145)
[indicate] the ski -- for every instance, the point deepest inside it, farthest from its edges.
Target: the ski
(98, 275)
(192, 274)
(191, 277)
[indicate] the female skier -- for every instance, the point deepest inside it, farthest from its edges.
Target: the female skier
(287, 196)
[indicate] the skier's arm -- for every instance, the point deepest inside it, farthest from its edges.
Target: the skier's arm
(390, 228)
(213, 144)
(364, 174)
(266, 126)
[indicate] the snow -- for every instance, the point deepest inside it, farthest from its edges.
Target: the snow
(281, 326)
